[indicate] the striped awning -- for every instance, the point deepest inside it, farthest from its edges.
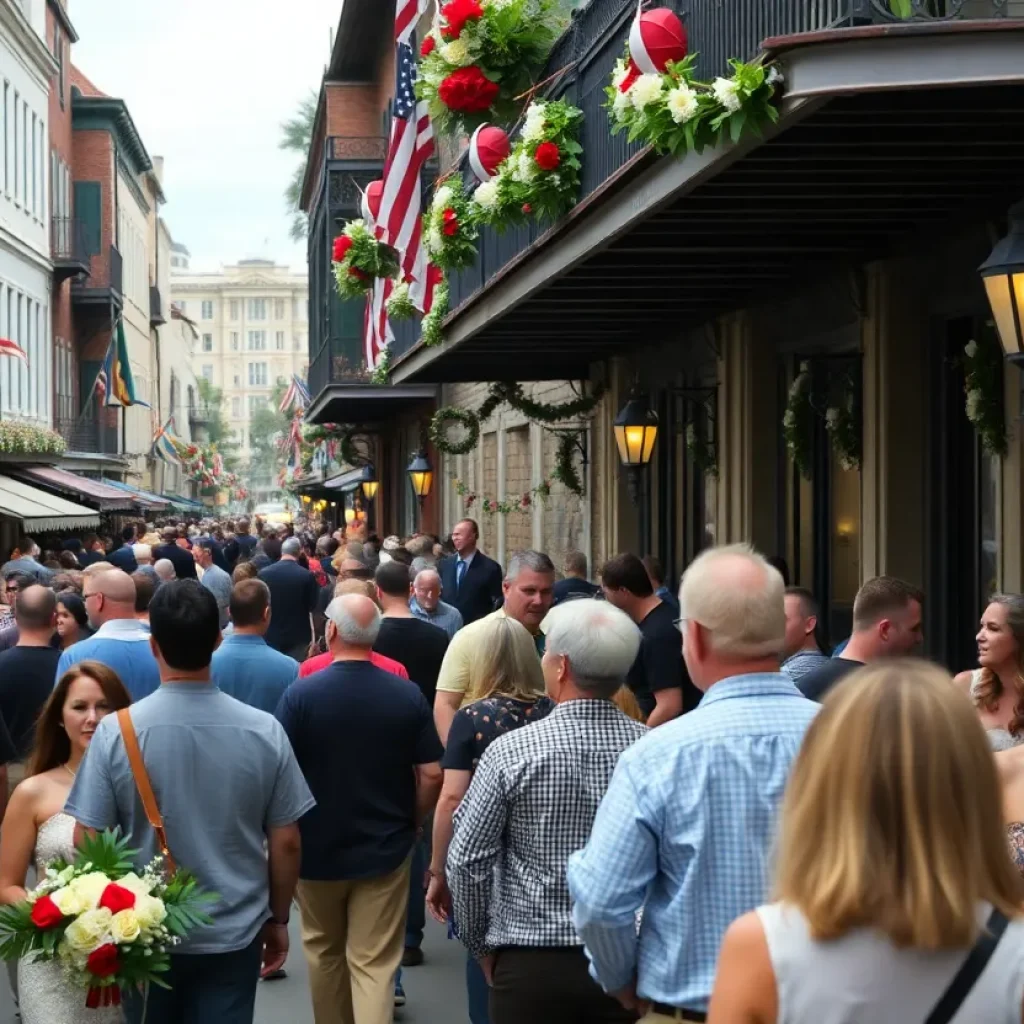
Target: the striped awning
(39, 510)
(145, 498)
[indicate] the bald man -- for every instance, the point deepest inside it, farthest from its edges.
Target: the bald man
(121, 642)
(353, 721)
(426, 604)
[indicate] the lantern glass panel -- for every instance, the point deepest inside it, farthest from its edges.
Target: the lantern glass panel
(1005, 293)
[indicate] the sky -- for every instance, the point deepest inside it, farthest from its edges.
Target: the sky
(208, 83)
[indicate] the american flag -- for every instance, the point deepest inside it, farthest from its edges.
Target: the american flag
(377, 334)
(406, 14)
(12, 348)
(297, 395)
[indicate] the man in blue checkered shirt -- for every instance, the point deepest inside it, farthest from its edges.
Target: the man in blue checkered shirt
(685, 829)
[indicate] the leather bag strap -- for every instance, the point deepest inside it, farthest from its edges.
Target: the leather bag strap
(143, 785)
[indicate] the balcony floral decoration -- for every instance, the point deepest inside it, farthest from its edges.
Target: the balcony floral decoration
(541, 176)
(382, 371)
(523, 503)
(18, 438)
(983, 386)
(358, 259)
(431, 333)
(201, 463)
(482, 56)
(449, 230)
(400, 306)
(843, 430)
(798, 421)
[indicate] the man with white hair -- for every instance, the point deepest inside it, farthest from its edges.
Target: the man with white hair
(143, 554)
(293, 596)
(426, 603)
(164, 568)
(531, 803)
(685, 828)
(367, 745)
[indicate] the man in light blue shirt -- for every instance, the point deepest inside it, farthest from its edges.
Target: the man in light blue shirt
(685, 828)
(215, 579)
(244, 665)
(426, 603)
(121, 641)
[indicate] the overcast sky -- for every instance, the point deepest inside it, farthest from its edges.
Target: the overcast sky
(208, 83)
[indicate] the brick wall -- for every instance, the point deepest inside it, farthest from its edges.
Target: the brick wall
(93, 160)
(354, 110)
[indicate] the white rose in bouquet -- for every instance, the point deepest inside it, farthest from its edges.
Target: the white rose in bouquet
(91, 886)
(125, 926)
(88, 931)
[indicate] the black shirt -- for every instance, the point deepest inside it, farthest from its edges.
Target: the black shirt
(573, 586)
(357, 732)
(124, 558)
(417, 645)
(183, 562)
(476, 726)
(27, 676)
(293, 594)
(816, 684)
(659, 665)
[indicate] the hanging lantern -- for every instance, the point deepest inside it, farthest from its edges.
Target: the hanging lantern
(656, 39)
(636, 430)
(487, 148)
(1003, 276)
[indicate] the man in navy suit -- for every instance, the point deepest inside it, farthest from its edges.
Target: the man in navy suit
(471, 581)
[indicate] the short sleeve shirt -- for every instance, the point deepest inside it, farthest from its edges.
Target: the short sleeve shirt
(223, 774)
(659, 664)
(477, 725)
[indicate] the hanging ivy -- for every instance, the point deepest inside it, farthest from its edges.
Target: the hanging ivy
(565, 464)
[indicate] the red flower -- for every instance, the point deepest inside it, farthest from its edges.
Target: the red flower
(527, 208)
(468, 90)
(547, 156)
(342, 244)
(45, 913)
(116, 898)
(526, 500)
(104, 961)
(451, 222)
(456, 13)
(428, 47)
(358, 274)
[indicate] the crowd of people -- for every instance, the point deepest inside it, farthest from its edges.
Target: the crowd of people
(626, 803)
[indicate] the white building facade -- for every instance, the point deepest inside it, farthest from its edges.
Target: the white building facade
(26, 65)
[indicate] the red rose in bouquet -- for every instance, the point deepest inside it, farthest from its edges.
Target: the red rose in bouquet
(358, 274)
(547, 156)
(116, 898)
(45, 913)
(456, 13)
(103, 961)
(451, 222)
(342, 244)
(468, 90)
(428, 47)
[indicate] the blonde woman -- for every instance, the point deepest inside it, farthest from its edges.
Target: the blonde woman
(506, 692)
(892, 857)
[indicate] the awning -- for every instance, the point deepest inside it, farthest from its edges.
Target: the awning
(184, 504)
(144, 498)
(346, 482)
(100, 495)
(40, 510)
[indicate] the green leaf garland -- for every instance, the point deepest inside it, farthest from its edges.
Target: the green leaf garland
(364, 260)
(430, 327)
(449, 227)
(983, 388)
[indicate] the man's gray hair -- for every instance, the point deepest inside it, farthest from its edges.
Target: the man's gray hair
(536, 561)
(422, 564)
(600, 642)
(349, 631)
(164, 568)
(292, 546)
(142, 553)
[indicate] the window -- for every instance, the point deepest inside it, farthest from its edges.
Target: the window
(234, 341)
(35, 166)
(24, 153)
(258, 375)
(236, 407)
(7, 137)
(299, 342)
(14, 145)
(207, 313)
(278, 309)
(207, 342)
(238, 381)
(257, 341)
(241, 437)
(279, 341)
(257, 309)
(58, 52)
(208, 373)
(233, 307)
(257, 402)
(182, 306)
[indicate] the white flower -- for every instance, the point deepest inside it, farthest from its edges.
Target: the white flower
(621, 72)
(974, 398)
(647, 89)
(456, 52)
(789, 418)
(727, 92)
(69, 902)
(91, 886)
(486, 194)
(134, 884)
(971, 349)
(621, 105)
(89, 931)
(533, 126)
(125, 927)
(443, 199)
(831, 418)
(435, 239)
(525, 168)
(150, 911)
(682, 104)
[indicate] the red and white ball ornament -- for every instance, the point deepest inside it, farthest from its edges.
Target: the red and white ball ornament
(656, 39)
(488, 147)
(371, 201)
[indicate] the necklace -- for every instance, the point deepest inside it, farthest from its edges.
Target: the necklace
(68, 770)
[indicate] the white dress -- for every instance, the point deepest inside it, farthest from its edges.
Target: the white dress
(999, 739)
(44, 995)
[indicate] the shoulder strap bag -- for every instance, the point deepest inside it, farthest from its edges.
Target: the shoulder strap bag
(970, 970)
(143, 785)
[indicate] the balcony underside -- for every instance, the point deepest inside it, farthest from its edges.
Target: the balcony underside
(670, 244)
(368, 406)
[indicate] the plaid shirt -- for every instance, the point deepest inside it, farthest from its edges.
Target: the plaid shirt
(531, 803)
(684, 832)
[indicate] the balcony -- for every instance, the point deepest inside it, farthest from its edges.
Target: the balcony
(200, 416)
(103, 287)
(888, 125)
(68, 248)
(369, 148)
(156, 307)
(95, 431)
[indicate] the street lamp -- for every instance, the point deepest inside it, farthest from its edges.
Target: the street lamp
(636, 430)
(1003, 276)
(370, 483)
(421, 476)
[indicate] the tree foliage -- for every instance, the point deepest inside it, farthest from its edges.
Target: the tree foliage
(297, 137)
(266, 428)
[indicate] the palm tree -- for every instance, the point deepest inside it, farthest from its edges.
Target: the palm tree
(297, 137)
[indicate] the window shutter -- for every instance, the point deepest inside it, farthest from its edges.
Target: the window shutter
(88, 207)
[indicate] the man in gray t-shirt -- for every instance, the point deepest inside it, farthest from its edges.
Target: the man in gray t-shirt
(215, 579)
(230, 792)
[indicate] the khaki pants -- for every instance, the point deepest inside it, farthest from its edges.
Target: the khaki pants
(353, 934)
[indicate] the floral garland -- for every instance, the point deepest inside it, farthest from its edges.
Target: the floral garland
(797, 421)
(524, 503)
(358, 258)
(703, 454)
(440, 422)
(541, 176)
(18, 438)
(843, 432)
(202, 463)
(431, 333)
(336, 438)
(449, 228)
(482, 56)
(382, 371)
(675, 113)
(983, 386)
(400, 306)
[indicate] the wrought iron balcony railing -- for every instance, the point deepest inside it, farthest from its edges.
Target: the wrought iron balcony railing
(356, 148)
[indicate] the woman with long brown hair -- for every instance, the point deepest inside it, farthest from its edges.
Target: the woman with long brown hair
(36, 829)
(892, 858)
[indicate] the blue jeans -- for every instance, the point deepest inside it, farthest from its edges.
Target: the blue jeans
(416, 915)
(478, 992)
(207, 988)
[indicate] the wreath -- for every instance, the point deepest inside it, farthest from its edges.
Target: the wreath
(440, 422)
(983, 387)
(797, 421)
(359, 258)
(541, 176)
(565, 465)
(480, 58)
(430, 327)
(675, 112)
(843, 432)
(702, 452)
(449, 228)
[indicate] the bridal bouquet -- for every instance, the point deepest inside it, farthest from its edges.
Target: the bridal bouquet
(109, 927)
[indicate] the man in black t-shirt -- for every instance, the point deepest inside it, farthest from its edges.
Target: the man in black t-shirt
(658, 678)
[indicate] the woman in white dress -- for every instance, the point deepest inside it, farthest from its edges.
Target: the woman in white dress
(36, 830)
(892, 858)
